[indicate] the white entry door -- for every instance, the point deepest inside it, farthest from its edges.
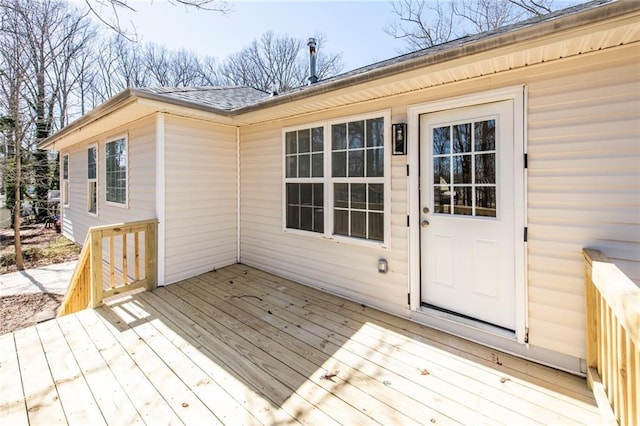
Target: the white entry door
(467, 213)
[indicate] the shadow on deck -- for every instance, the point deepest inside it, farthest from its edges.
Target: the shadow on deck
(241, 346)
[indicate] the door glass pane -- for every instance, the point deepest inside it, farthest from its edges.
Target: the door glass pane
(462, 138)
(462, 169)
(485, 168)
(485, 135)
(359, 196)
(441, 170)
(356, 134)
(486, 201)
(442, 199)
(463, 201)
(441, 143)
(358, 224)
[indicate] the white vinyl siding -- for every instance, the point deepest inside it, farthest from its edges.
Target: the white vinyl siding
(334, 265)
(141, 181)
(200, 197)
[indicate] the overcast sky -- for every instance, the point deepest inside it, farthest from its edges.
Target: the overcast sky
(354, 28)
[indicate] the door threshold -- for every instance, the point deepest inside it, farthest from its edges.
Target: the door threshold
(466, 321)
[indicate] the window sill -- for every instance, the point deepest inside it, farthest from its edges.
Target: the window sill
(338, 239)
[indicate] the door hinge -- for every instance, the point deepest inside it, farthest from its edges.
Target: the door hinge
(526, 335)
(526, 232)
(407, 170)
(408, 298)
(407, 220)
(526, 160)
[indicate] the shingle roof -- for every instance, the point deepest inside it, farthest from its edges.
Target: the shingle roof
(223, 98)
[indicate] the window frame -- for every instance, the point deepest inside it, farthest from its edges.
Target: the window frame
(64, 178)
(94, 180)
(124, 138)
(328, 180)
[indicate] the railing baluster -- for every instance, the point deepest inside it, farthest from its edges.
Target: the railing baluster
(136, 255)
(112, 273)
(125, 265)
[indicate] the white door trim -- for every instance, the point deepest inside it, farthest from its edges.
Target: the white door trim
(518, 95)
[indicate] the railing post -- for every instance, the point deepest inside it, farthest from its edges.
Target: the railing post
(592, 318)
(150, 255)
(95, 259)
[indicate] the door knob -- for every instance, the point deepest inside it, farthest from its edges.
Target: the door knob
(424, 223)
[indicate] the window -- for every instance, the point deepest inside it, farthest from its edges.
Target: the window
(304, 163)
(464, 165)
(335, 179)
(116, 171)
(92, 179)
(65, 179)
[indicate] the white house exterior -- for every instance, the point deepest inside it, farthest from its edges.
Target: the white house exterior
(523, 148)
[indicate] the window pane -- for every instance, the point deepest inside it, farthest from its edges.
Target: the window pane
(486, 201)
(306, 194)
(359, 224)
(375, 132)
(441, 141)
(306, 218)
(341, 222)
(485, 134)
(376, 226)
(356, 163)
(93, 198)
(441, 170)
(318, 220)
(317, 139)
(116, 171)
(293, 193)
(356, 134)
(91, 163)
(341, 195)
(359, 196)
(486, 168)
(339, 164)
(339, 136)
(293, 217)
(463, 202)
(462, 138)
(442, 199)
(304, 140)
(375, 162)
(462, 169)
(317, 165)
(376, 196)
(318, 195)
(65, 167)
(291, 143)
(292, 166)
(304, 165)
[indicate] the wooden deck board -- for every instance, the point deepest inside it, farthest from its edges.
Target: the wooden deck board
(241, 346)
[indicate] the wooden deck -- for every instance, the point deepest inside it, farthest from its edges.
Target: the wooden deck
(240, 346)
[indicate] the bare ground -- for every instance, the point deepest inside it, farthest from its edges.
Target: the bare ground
(41, 246)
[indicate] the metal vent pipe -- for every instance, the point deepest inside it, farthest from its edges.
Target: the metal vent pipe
(313, 74)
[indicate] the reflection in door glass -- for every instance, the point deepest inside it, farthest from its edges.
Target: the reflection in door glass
(464, 169)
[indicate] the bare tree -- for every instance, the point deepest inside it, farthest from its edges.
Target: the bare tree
(107, 11)
(425, 23)
(275, 62)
